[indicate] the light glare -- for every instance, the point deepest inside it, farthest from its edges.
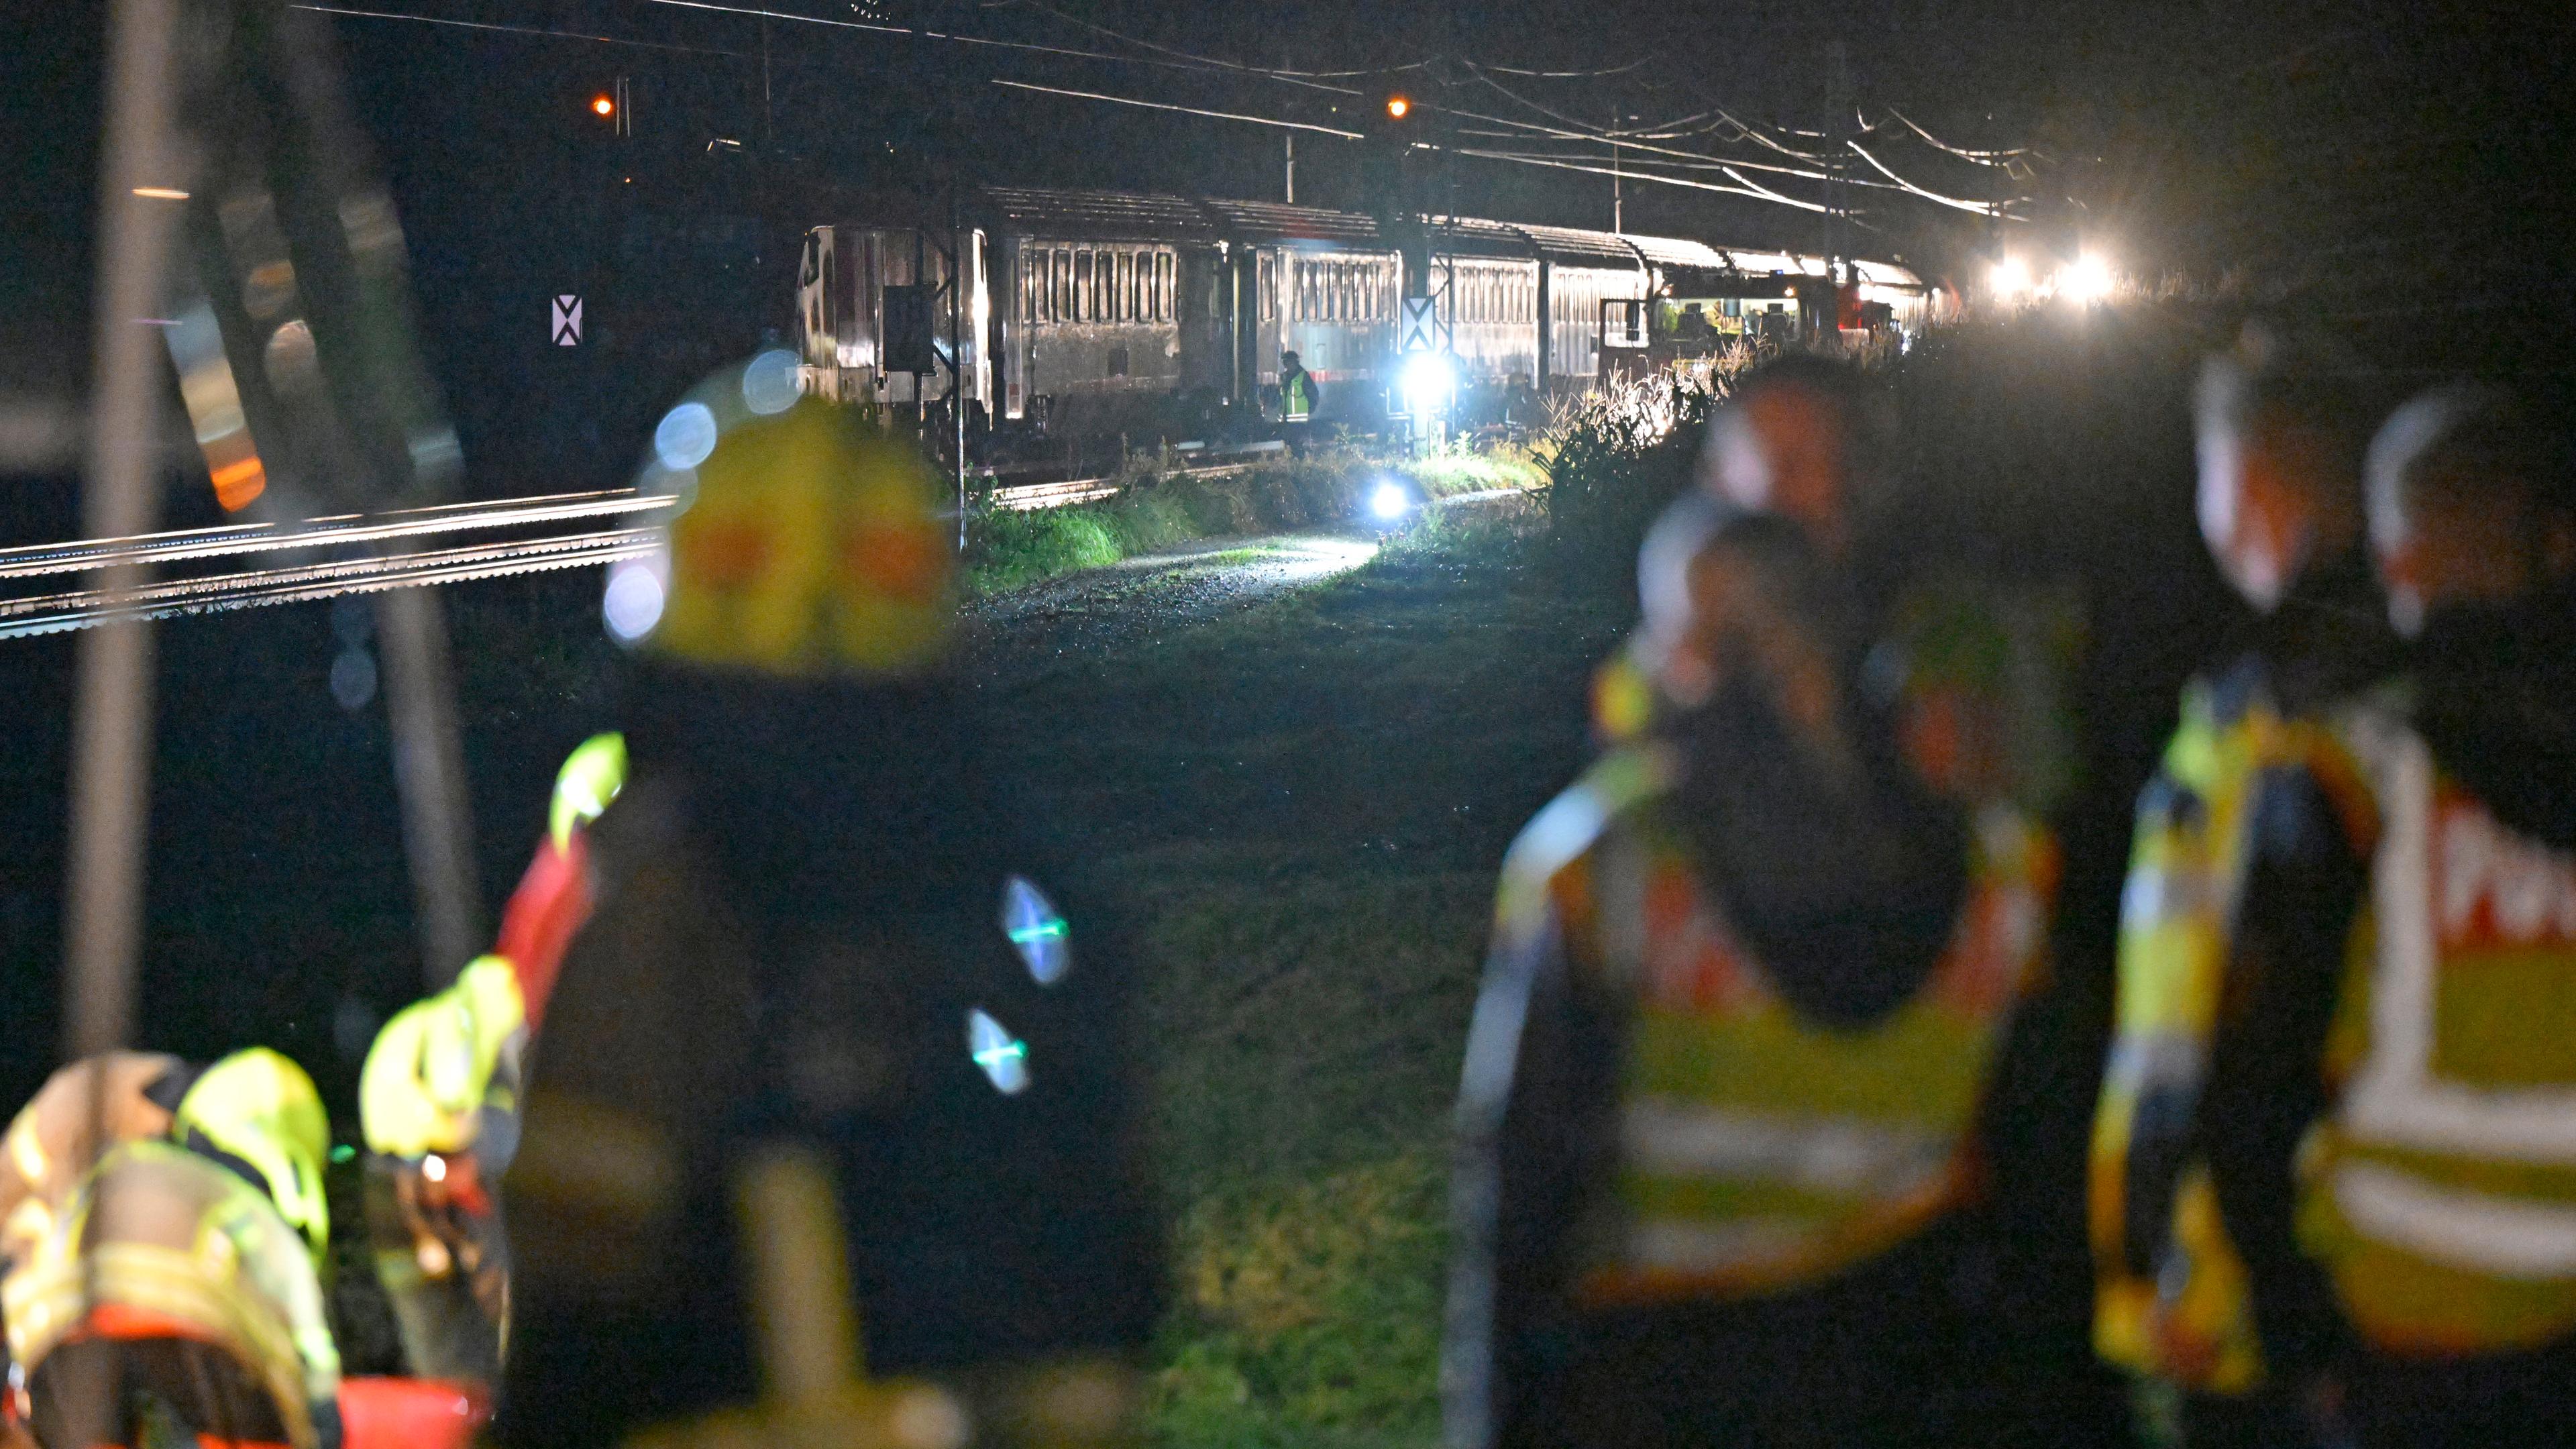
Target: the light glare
(769, 382)
(686, 436)
(1426, 383)
(1389, 501)
(2087, 279)
(2009, 278)
(1003, 1057)
(633, 603)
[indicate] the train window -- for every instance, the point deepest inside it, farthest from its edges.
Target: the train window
(1142, 291)
(1063, 309)
(1084, 309)
(1163, 287)
(1266, 283)
(1122, 305)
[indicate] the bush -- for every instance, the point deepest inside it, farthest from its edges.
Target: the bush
(1615, 458)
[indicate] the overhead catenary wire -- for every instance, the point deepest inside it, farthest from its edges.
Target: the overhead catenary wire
(1981, 208)
(1982, 158)
(530, 30)
(1183, 110)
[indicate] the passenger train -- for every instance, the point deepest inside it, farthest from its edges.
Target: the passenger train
(1090, 315)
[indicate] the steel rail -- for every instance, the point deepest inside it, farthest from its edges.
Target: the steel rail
(86, 608)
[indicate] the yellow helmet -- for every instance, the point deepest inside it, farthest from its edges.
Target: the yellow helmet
(807, 544)
(260, 1109)
(590, 778)
(424, 1080)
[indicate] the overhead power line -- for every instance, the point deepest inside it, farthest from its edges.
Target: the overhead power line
(1982, 158)
(1183, 110)
(518, 30)
(1982, 208)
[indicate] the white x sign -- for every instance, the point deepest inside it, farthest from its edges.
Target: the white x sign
(568, 321)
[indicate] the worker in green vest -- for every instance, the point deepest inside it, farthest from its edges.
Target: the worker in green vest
(2391, 1112)
(2280, 443)
(1748, 988)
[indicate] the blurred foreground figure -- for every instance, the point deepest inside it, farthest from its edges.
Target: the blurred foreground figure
(2280, 505)
(440, 1096)
(1749, 982)
(828, 1137)
(171, 1291)
(2391, 1115)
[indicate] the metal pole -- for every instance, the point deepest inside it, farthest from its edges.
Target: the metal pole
(429, 769)
(1289, 139)
(957, 246)
(111, 765)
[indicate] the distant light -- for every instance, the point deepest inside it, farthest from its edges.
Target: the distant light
(685, 436)
(1390, 501)
(2009, 278)
(161, 193)
(769, 382)
(1397, 108)
(1035, 930)
(353, 678)
(603, 105)
(1426, 383)
(434, 1167)
(2087, 279)
(1004, 1057)
(343, 1153)
(633, 603)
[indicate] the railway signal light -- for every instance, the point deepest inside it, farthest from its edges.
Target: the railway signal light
(1397, 108)
(603, 105)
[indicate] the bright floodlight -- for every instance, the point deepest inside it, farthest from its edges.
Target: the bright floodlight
(1389, 501)
(2087, 279)
(2009, 278)
(1426, 383)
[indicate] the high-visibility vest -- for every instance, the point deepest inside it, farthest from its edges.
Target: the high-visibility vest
(161, 1237)
(1759, 1151)
(2441, 1193)
(441, 1060)
(2176, 1305)
(1295, 399)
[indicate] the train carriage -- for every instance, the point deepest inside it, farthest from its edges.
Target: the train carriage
(1131, 318)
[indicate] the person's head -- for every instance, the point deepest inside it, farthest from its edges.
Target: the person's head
(1289, 360)
(258, 1113)
(1796, 439)
(1719, 589)
(2470, 505)
(2280, 455)
(806, 546)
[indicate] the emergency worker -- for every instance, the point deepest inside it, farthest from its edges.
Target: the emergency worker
(829, 1137)
(440, 1094)
(2391, 1114)
(439, 1101)
(172, 1288)
(2279, 505)
(1749, 983)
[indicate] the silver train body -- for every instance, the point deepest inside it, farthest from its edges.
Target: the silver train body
(1096, 314)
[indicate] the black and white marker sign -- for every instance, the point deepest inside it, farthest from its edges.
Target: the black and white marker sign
(567, 320)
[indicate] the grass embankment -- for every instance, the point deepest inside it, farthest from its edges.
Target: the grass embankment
(1310, 801)
(1159, 506)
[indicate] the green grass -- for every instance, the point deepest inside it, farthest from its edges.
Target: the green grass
(1160, 507)
(1310, 800)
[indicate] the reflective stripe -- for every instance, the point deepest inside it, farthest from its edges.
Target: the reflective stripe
(2471, 1231)
(1844, 1156)
(2395, 1098)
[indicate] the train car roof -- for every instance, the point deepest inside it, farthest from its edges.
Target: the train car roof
(1270, 221)
(1571, 247)
(1102, 215)
(1470, 236)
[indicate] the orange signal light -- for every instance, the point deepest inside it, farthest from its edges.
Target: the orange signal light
(1397, 107)
(602, 105)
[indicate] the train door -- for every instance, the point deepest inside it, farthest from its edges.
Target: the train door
(1206, 331)
(1257, 272)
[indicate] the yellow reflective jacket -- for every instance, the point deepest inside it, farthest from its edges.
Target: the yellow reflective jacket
(1760, 1151)
(160, 1231)
(48, 1147)
(2440, 1194)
